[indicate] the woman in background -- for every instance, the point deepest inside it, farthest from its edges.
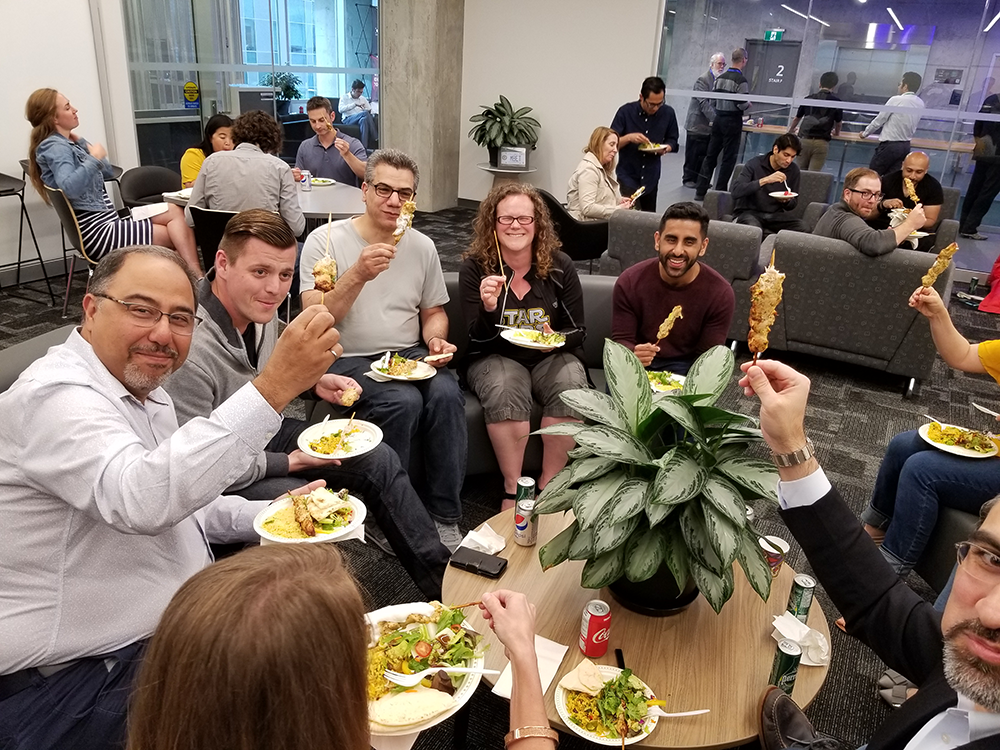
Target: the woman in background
(218, 137)
(535, 287)
(268, 649)
(60, 158)
(593, 188)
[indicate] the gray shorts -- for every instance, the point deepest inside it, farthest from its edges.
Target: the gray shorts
(506, 387)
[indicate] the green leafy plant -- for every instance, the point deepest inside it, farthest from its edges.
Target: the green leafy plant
(501, 125)
(660, 479)
(284, 84)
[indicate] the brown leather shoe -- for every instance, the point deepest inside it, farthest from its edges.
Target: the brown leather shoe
(783, 725)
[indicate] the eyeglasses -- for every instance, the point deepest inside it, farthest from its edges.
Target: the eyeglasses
(144, 316)
(522, 220)
(384, 191)
(979, 562)
(867, 195)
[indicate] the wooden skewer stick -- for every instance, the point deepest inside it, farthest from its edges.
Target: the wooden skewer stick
(500, 258)
(463, 606)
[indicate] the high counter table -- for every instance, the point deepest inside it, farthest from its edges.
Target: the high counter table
(695, 659)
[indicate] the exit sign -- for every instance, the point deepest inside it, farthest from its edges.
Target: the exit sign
(773, 35)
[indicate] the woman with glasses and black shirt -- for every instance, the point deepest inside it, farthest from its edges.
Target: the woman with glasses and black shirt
(515, 276)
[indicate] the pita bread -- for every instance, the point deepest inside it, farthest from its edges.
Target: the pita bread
(584, 679)
(411, 707)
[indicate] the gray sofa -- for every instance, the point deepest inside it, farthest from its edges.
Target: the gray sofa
(843, 305)
(733, 250)
(15, 359)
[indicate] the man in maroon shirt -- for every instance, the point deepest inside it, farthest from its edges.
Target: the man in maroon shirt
(646, 293)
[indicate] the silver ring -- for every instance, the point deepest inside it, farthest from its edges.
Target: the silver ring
(334, 353)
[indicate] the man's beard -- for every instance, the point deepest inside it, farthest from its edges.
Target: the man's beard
(673, 272)
(137, 379)
(967, 673)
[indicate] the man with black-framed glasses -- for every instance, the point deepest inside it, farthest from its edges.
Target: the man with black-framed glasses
(848, 219)
(954, 657)
(106, 506)
(390, 296)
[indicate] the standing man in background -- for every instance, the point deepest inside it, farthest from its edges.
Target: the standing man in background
(701, 115)
(818, 125)
(727, 127)
(647, 121)
(897, 128)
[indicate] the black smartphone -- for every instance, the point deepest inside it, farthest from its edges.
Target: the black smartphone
(480, 563)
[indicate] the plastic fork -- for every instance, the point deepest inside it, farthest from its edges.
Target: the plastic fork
(984, 410)
(412, 680)
(657, 711)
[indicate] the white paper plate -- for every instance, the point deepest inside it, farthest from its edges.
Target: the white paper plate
(955, 449)
(919, 234)
(360, 511)
(398, 613)
(652, 146)
(657, 388)
(367, 440)
(322, 181)
(423, 371)
(783, 194)
(608, 673)
(517, 339)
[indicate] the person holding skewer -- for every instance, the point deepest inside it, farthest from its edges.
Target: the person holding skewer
(515, 278)
(646, 295)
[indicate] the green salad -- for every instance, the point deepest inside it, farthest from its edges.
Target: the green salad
(664, 381)
(622, 705)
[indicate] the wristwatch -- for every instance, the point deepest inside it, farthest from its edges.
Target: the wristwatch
(803, 454)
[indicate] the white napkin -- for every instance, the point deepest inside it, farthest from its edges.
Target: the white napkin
(815, 647)
(550, 656)
(145, 212)
(402, 742)
(895, 221)
(485, 540)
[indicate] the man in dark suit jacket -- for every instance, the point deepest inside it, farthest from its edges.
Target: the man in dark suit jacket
(954, 658)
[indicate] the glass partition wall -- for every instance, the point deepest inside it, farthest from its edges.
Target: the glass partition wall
(191, 59)
(869, 44)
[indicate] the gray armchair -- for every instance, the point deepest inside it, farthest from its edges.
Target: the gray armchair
(814, 198)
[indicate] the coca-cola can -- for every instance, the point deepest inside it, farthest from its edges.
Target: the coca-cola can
(595, 628)
(760, 122)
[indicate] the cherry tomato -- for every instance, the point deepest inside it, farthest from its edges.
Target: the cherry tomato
(422, 649)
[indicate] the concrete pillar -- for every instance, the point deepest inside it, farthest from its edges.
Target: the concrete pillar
(421, 91)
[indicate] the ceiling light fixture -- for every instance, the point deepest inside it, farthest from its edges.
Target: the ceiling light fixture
(803, 15)
(895, 19)
(990, 25)
(818, 21)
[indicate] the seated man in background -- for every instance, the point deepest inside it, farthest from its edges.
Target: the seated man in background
(249, 176)
(355, 110)
(895, 195)
(237, 307)
(390, 296)
(848, 219)
(330, 154)
(106, 506)
(646, 293)
(953, 657)
(762, 177)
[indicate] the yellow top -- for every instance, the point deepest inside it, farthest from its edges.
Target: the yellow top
(191, 165)
(989, 355)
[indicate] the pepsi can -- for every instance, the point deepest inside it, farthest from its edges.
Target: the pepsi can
(525, 520)
(595, 628)
(307, 180)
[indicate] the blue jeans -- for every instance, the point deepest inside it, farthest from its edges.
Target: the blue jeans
(367, 123)
(81, 707)
(914, 480)
(378, 478)
(423, 415)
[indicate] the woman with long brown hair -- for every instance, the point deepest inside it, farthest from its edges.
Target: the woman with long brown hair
(593, 191)
(514, 275)
(60, 158)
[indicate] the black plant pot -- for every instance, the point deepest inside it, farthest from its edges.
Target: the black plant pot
(494, 155)
(657, 596)
(282, 106)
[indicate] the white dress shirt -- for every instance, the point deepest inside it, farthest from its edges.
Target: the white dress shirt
(895, 125)
(106, 507)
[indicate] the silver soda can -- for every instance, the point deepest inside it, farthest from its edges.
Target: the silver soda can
(801, 597)
(525, 520)
(307, 181)
(786, 665)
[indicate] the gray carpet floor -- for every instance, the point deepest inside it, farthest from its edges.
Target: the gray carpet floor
(853, 413)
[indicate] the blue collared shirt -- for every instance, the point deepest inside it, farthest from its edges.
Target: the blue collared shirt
(637, 167)
(327, 162)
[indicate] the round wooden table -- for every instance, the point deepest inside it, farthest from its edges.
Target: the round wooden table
(343, 201)
(696, 659)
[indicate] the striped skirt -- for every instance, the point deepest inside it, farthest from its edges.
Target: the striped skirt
(103, 231)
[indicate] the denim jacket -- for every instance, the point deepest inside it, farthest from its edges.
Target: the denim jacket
(70, 167)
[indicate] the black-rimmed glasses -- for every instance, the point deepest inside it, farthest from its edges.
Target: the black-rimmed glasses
(508, 220)
(146, 316)
(384, 191)
(867, 194)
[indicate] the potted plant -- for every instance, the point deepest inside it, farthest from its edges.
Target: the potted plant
(285, 87)
(658, 485)
(502, 125)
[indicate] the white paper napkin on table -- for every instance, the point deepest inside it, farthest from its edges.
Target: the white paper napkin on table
(402, 742)
(815, 647)
(550, 656)
(485, 540)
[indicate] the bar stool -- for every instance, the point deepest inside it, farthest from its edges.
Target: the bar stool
(12, 186)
